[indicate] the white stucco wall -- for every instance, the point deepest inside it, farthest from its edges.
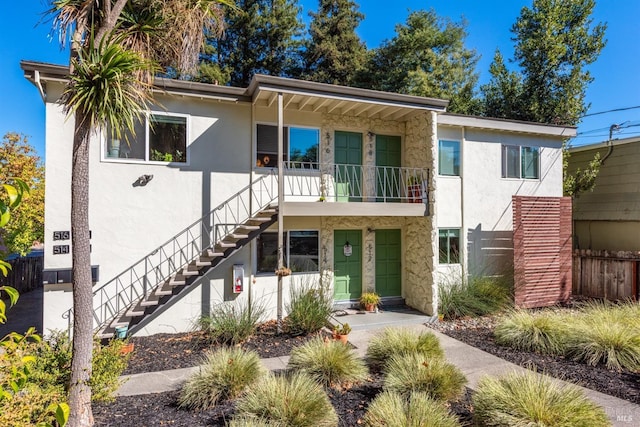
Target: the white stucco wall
(479, 201)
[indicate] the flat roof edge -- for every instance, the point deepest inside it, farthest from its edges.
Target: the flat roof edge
(507, 125)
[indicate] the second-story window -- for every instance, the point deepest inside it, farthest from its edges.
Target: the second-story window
(520, 162)
(158, 138)
(300, 146)
(449, 158)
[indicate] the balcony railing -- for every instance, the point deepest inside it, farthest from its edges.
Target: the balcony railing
(306, 181)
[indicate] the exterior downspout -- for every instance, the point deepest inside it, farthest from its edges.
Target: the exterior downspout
(463, 229)
(38, 83)
(280, 206)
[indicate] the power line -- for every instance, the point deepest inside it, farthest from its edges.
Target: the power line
(611, 111)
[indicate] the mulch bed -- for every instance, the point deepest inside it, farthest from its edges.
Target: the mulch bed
(168, 351)
(161, 352)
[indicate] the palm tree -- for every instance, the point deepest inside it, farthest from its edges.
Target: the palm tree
(116, 46)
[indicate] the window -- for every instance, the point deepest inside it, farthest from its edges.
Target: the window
(520, 162)
(449, 245)
(449, 158)
(300, 146)
(159, 138)
(301, 251)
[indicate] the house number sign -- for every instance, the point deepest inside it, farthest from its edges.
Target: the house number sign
(60, 249)
(61, 235)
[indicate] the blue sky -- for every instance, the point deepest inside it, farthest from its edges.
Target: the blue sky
(25, 35)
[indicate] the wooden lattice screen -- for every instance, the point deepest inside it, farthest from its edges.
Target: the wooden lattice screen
(542, 250)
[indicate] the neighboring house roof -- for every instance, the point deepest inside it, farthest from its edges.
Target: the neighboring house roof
(605, 144)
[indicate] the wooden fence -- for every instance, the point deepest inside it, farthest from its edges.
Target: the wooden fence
(606, 274)
(25, 274)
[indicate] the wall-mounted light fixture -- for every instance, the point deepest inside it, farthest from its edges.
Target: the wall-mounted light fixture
(371, 230)
(347, 249)
(370, 135)
(142, 180)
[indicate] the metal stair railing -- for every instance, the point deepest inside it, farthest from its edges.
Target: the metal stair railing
(143, 277)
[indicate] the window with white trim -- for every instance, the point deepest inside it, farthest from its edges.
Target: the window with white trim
(300, 146)
(158, 138)
(449, 158)
(520, 162)
(449, 245)
(301, 250)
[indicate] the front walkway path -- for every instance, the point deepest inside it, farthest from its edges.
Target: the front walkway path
(474, 363)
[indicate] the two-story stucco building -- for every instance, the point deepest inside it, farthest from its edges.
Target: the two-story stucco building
(376, 191)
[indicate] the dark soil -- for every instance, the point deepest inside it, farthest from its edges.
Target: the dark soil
(169, 351)
(479, 333)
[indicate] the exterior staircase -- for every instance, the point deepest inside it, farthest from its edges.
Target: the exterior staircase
(165, 274)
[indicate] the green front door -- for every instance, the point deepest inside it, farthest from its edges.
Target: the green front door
(388, 263)
(388, 162)
(348, 159)
(347, 269)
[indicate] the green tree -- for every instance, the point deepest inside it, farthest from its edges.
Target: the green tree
(427, 57)
(262, 36)
(18, 159)
(115, 46)
(334, 53)
(555, 40)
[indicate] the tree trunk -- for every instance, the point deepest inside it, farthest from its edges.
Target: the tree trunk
(79, 390)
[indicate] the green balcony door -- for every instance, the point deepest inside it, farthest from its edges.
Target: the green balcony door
(347, 269)
(388, 263)
(389, 154)
(348, 159)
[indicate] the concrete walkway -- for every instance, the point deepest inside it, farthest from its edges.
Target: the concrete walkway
(474, 363)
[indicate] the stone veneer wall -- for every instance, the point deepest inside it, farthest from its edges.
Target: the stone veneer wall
(418, 233)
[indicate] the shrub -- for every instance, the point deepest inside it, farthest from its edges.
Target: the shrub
(415, 372)
(295, 401)
(533, 400)
(597, 340)
(248, 421)
(538, 332)
(53, 365)
(226, 374)
(309, 308)
(30, 406)
(330, 363)
(393, 410)
(232, 322)
(476, 296)
(397, 341)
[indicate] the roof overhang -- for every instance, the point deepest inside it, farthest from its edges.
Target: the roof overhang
(315, 97)
(506, 125)
(605, 144)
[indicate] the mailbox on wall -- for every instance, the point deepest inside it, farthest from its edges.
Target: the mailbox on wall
(238, 278)
(64, 275)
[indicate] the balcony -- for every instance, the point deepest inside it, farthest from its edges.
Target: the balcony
(360, 190)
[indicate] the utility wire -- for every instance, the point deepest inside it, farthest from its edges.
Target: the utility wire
(611, 111)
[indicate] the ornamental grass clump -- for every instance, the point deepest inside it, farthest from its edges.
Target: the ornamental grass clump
(397, 341)
(246, 421)
(232, 322)
(331, 363)
(309, 308)
(523, 330)
(599, 341)
(394, 410)
(226, 373)
(528, 399)
(474, 297)
(436, 377)
(296, 400)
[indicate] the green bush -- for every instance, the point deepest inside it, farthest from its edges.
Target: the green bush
(597, 340)
(398, 341)
(53, 365)
(415, 372)
(331, 363)
(476, 296)
(542, 332)
(248, 421)
(295, 401)
(226, 373)
(232, 322)
(528, 399)
(393, 410)
(309, 307)
(30, 406)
